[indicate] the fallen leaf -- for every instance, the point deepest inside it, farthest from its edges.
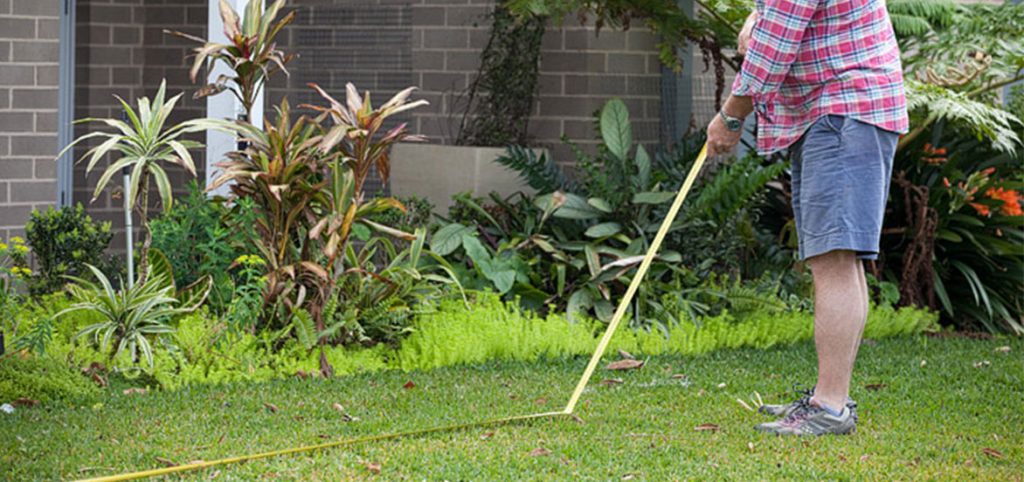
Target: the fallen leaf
(409, 385)
(625, 365)
(338, 407)
(486, 435)
(969, 463)
(166, 462)
(540, 401)
(700, 393)
(750, 445)
(373, 467)
(721, 385)
(611, 381)
(348, 418)
(1003, 349)
(214, 474)
(626, 355)
(982, 364)
(842, 457)
(302, 374)
(540, 452)
(132, 391)
(706, 427)
(679, 376)
(271, 407)
(923, 363)
(864, 458)
(99, 380)
(874, 387)
(628, 477)
(577, 419)
(25, 402)
(298, 418)
(992, 453)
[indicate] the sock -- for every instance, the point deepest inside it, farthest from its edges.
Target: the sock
(831, 411)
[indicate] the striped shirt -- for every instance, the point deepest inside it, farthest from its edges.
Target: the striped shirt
(810, 58)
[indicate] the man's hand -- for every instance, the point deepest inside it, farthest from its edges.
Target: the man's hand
(744, 38)
(720, 139)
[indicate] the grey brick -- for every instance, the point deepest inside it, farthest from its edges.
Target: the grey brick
(46, 122)
(445, 38)
(40, 191)
(443, 82)
(37, 8)
(478, 38)
(423, 16)
(5, 145)
(588, 40)
(86, 75)
(106, 56)
(17, 75)
(462, 61)
(16, 122)
(5, 6)
(474, 16)
(34, 145)
(428, 60)
(16, 168)
(47, 28)
(552, 39)
(572, 62)
(579, 130)
(17, 28)
(48, 75)
(643, 85)
(126, 35)
(126, 75)
(641, 41)
(15, 215)
(550, 84)
(627, 63)
(607, 85)
(34, 51)
(34, 98)
(46, 169)
(5, 51)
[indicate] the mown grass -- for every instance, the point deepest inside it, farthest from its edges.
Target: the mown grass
(935, 418)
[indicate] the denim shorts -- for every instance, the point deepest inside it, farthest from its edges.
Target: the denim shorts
(841, 173)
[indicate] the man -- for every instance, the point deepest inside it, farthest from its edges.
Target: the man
(825, 79)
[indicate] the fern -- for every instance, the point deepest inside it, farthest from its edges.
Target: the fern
(731, 189)
(986, 121)
(305, 329)
(918, 17)
(539, 172)
(38, 337)
(743, 299)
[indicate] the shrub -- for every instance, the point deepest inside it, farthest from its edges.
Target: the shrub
(63, 241)
(42, 378)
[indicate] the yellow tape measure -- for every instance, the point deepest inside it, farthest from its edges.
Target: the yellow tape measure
(567, 411)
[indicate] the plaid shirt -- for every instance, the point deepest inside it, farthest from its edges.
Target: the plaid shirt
(810, 58)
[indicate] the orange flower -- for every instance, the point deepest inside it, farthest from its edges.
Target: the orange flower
(982, 209)
(989, 171)
(1011, 200)
(945, 182)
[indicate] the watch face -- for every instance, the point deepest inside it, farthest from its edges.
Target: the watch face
(733, 124)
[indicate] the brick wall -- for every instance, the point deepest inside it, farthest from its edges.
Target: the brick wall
(121, 50)
(29, 37)
(580, 71)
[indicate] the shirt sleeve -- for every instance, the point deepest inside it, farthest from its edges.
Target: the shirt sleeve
(773, 46)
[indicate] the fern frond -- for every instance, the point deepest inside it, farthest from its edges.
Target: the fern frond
(305, 329)
(539, 172)
(986, 121)
(732, 188)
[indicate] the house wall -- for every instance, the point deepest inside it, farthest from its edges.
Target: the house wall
(121, 50)
(29, 36)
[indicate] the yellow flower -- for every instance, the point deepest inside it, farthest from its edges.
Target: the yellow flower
(17, 240)
(21, 249)
(242, 259)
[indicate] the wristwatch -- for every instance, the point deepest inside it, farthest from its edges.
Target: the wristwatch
(732, 123)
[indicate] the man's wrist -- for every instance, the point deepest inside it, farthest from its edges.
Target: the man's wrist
(738, 107)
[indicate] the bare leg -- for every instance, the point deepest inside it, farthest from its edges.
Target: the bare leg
(840, 310)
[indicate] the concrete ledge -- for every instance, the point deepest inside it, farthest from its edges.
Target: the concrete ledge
(438, 172)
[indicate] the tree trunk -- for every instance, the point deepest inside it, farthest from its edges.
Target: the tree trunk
(148, 237)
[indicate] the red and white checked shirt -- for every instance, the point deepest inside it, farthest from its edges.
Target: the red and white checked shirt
(810, 58)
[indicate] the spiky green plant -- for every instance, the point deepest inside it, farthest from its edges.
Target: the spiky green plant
(143, 145)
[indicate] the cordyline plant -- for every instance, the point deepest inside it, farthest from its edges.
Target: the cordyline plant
(144, 143)
(306, 182)
(251, 53)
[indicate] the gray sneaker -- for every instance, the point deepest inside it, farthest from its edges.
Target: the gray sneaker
(809, 419)
(783, 410)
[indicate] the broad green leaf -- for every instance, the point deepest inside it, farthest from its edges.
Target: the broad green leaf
(653, 197)
(579, 303)
(643, 167)
(603, 230)
(616, 131)
(447, 239)
(475, 249)
(576, 207)
(600, 204)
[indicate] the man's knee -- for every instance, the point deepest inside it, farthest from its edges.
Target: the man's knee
(833, 262)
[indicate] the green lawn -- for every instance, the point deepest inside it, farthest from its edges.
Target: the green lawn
(934, 418)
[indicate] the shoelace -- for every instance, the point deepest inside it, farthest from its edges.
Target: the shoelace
(803, 408)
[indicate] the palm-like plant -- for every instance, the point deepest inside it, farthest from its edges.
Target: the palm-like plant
(251, 52)
(142, 145)
(130, 317)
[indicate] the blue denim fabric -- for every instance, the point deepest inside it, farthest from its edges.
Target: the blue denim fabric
(841, 173)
